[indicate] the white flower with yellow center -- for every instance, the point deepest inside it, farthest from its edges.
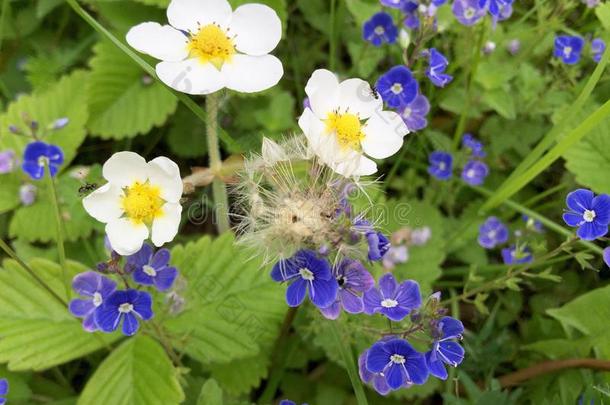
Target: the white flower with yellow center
(140, 199)
(207, 46)
(346, 123)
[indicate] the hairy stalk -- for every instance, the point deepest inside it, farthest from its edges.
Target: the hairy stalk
(351, 367)
(61, 250)
(219, 191)
(11, 253)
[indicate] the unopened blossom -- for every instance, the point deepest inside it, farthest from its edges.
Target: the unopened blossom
(208, 46)
(7, 161)
(516, 254)
(598, 46)
(606, 256)
(141, 199)
(346, 126)
(395, 255)
(437, 64)
(27, 194)
(513, 46)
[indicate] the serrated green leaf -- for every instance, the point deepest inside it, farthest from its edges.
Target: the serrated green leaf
(65, 99)
(500, 101)
(37, 331)
(602, 11)
(240, 376)
(137, 373)
(234, 309)
(9, 192)
(211, 394)
(124, 102)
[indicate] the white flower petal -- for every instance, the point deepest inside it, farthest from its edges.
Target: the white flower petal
(165, 227)
(358, 166)
(189, 15)
(125, 168)
(356, 96)
(191, 76)
(104, 204)
(165, 173)
(126, 237)
(384, 134)
(313, 129)
(159, 41)
(257, 29)
(249, 74)
(323, 91)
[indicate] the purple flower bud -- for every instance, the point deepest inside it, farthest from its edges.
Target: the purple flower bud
(34, 125)
(421, 236)
(27, 194)
(489, 47)
(7, 161)
(13, 129)
(60, 123)
(514, 46)
(147, 80)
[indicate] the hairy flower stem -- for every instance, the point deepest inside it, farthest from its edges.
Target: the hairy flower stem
(498, 283)
(165, 342)
(60, 230)
(219, 191)
(11, 253)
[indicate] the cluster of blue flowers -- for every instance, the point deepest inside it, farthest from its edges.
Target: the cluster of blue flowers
(469, 12)
(493, 232)
(474, 171)
(568, 48)
(392, 362)
(104, 307)
(3, 390)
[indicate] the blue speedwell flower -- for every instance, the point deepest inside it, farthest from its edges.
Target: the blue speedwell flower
(380, 29)
(399, 362)
(492, 233)
(467, 12)
(96, 288)
(152, 269)
(353, 280)
(410, 11)
(517, 255)
(379, 245)
(441, 165)
(305, 270)
(37, 154)
(391, 299)
(598, 46)
(397, 86)
(444, 349)
(589, 213)
(126, 306)
(437, 64)
(414, 113)
(475, 172)
(498, 9)
(3, 390)
(568, 48)
(377, 380)
(474, 146)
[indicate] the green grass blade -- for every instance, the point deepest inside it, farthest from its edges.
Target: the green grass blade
(348, 358)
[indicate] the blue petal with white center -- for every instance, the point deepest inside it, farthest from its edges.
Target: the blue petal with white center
(397, 86)
(39, 154)
(568, 48)
(152, 268)
(380, 29)
(126, 307)
(590, 213)
(441, 165)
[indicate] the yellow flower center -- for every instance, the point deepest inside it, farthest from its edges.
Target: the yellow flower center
(347, 127)
(211, 44)
(142, 203)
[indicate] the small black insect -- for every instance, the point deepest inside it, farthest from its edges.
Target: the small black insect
(374, 92)
(86, 189)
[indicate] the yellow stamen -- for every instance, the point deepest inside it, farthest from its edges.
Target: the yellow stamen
(347, 127)
(211, 44)
(142, 203)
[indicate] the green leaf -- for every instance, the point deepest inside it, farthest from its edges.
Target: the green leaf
(137, 373)
(124, 102)
(589, 159)
(602, 12)
(65, 99)
(211, 394)
(234, 309)
(500, 101)
(186, 137)
(494, 74)
(37, 331)
(240, 376)
(9, 192)
(362, 10)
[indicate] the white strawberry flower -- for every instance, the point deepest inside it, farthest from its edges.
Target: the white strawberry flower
(208, 46)
(140, 199)
(346, 124)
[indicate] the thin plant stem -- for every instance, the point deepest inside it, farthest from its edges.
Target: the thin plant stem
(345, 349)
(219, 190)
(61, 250)
(332, 34)
(11, 253)
(4, 12)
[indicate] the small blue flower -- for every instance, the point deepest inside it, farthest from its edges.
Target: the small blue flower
(589, 213)
(606, 256)
(35, 156)
(467, 12)
(391, 299)
(499, 9)
(517, 255)
(598, 46)
(475, 172)
(393, 3)
(97, 289)
(379, 29)
(474, 146)
(399, 362)
(305, 270)
(492, 233)
(410, 11)
(379, 245)
(441, 165)
(437, 63)
(414, 113)
(60, 123)
(149, 269)
(377, 380)
(532, 224)
(353, 280)
(3, 390)
(444, 349)
(126, 306)
(397, 86)
(568, 48)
